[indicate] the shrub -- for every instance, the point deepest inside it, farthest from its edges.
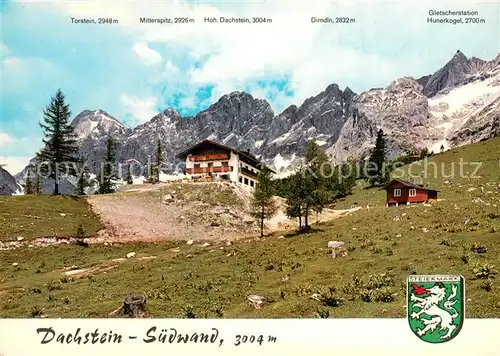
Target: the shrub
(487, 286)
(218, 310)
(189, 312)
(465, 257)
(351, 289)
(66, 280)
(384, 294)
(366, 295)
(323, 313)
(328, 297)
(367, 243)
(34, 291)
(378, 281)
(53, 286)
(80, 231)
(205, 287)
(39, 267)
(36, 311)
(478, 248)
(445, 242)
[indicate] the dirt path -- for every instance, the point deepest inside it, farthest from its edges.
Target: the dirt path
(200, 211)
(281, 222)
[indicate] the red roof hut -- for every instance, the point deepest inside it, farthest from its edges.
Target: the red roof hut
(402, 192)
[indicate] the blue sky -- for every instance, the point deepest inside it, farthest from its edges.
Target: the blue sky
(134, 70)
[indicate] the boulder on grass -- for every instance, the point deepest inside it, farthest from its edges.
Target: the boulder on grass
(339, 248)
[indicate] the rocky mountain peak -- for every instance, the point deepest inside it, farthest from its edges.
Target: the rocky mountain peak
(405, 84)
(459, 56)
(171, 112)
(453, 73)
(96, 122)
(333, 89)
(348, 93)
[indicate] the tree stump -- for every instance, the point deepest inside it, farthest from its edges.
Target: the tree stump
(134, 306)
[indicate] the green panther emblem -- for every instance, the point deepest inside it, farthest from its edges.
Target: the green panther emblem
(436, 307)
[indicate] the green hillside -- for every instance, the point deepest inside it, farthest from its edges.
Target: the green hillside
(32, 216)
(457, 235)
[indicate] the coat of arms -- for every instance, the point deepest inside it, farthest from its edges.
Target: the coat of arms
(435, 306)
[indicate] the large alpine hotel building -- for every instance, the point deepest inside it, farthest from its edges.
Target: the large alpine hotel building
(208, 158)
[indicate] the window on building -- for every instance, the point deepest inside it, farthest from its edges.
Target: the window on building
(196, 165)
(210, 164)
(397, 192)
(241, 180)
(251, 183)
(413, 192)
(246, 181)
(225, 163)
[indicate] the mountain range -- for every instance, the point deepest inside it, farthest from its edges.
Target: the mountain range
(456, 105)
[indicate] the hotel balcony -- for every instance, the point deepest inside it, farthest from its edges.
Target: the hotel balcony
(208, 157)
(248, 172)
(216, 169)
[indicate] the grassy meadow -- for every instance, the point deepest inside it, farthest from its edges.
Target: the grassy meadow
(34, 216)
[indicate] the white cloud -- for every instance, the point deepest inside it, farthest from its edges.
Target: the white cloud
(6, 139)
(141, 109)
(14, 164)
(361, 54)
(171, 68)
(146, 54)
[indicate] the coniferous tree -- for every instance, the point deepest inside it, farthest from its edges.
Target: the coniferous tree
(107, 173)
(424, 153)
(308, 189)
(83, 176)
(345, 179)
(376, 169)
(38, 178)
(28, 186)
(315, 184)
(294, 193)
(60, 149)
(263, 204)
(130, 179)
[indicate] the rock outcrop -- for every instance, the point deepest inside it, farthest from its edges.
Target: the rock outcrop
(8, 185)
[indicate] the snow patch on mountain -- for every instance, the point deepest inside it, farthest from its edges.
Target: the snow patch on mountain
(452, 108)
(281, 164)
